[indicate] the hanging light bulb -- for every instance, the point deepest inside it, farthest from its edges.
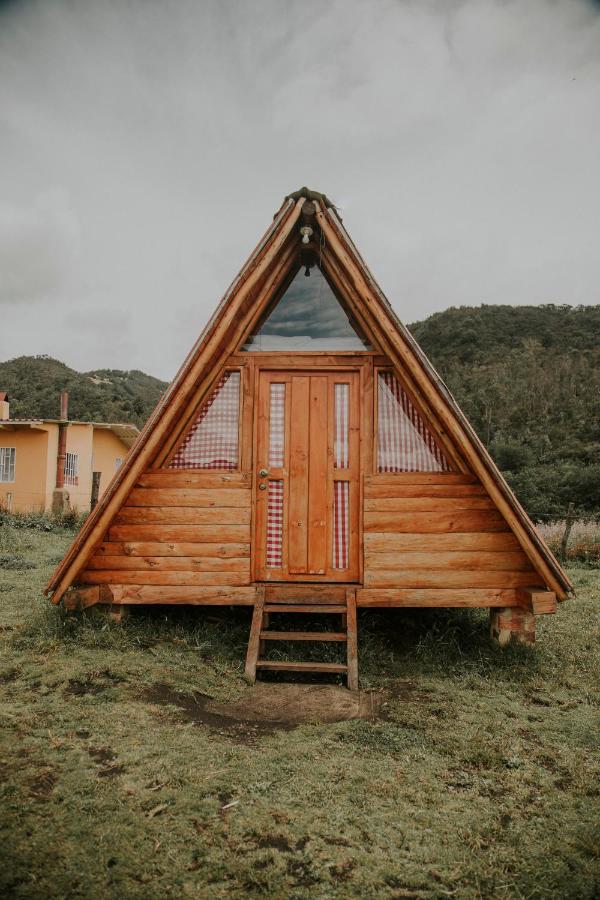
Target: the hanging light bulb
(306, 232)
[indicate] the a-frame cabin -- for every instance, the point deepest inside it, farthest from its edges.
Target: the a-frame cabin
(308, 458)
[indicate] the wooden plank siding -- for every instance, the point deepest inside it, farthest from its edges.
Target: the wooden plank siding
(436, 539)
(181, 537)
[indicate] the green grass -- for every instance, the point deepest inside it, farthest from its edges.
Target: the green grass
(481, 781)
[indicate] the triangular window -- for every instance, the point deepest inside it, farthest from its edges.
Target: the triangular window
(405, 443)
(212, 442)
(307, 317)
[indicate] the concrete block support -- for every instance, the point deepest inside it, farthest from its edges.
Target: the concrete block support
(61, 502)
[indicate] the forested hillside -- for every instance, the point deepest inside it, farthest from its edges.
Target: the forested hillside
(34, 384)
(528, 377)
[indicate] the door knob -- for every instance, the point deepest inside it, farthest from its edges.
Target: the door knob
(262, 487)
(263, 472)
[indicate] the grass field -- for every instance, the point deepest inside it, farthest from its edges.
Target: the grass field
(480, 778)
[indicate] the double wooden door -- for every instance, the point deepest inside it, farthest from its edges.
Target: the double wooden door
(307, 476)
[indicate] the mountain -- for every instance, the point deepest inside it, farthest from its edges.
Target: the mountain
(528, 378)
(34, 384)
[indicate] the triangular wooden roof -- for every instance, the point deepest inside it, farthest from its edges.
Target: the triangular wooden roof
(274, 259)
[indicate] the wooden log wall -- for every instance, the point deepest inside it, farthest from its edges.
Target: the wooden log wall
(181, 537)
(437, 540)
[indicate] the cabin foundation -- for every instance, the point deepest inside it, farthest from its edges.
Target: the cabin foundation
(512, 624)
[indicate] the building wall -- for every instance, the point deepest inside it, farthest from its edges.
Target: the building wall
(28, 490)
(436, 539)
(107, 448)
(79, 441)
(181, 537)
(35, 468)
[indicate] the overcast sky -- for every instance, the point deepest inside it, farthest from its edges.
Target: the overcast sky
(146, 144)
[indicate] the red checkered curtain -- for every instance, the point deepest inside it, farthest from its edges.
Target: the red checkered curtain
(276, 461)
(277, 426)
(212, 442)
(341, 489)
(341, 498)
(275, 525)
(404, 442)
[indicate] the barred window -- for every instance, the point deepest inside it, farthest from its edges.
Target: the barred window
(404, 441)
(212, 442)
(7, 463)
(72, 469)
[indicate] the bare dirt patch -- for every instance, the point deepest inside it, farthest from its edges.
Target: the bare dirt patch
(42, 784)
(102, 754)
(92, 683)
(265, 708)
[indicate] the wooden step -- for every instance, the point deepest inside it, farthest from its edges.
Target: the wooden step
(304, 608)
(303, 636)
(300, 666)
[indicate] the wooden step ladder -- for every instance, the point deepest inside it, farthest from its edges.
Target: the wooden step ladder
(268, 601)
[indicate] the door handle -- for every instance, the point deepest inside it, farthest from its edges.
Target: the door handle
(263, 473)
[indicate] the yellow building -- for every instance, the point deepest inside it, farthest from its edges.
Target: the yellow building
(57, 463)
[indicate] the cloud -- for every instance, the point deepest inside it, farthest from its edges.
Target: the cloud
(38, 247)
(459, 137)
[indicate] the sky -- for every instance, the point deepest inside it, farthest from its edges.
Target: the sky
(146, 144)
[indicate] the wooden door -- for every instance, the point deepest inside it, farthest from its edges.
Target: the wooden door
(307, 476)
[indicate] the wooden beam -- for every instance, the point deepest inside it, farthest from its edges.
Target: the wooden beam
(434, 597)
(190, 595)
(254, 638)
(538, 600)
(352, 640)
(81, 597)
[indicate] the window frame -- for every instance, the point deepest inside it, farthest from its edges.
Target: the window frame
(66, 471)
(3, 451)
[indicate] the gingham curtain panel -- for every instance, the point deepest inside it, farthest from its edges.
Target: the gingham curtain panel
(212, 443)
(340, 445)
(275, 525)
(277, 426)
(341, 493)
(404, 442)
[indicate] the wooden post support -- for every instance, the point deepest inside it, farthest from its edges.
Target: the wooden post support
(116, 612)
(254, 639)
(512, 623)
(352, 640)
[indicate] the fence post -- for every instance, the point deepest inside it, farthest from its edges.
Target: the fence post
(570, 517)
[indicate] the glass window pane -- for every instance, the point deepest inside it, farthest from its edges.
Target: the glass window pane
(404, 442)
(7, 463)
(277, 426)
(340, 443)
(212, 443)
(341, 494)
(275, 525)
(308, 317)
